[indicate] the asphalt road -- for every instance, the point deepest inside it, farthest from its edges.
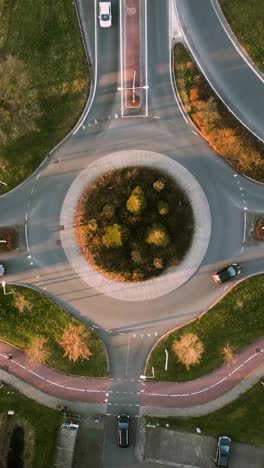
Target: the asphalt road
(241, 89)
(130, 329)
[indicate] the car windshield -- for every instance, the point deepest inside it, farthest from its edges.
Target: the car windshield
(105, 17)
(123, 425)
(231, 270)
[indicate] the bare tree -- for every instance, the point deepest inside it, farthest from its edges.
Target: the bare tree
(37, 351)
(188, 349)
(75, 342)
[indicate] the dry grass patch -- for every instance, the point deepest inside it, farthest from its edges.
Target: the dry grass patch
(75, 343)
(227, 354)
(189, 350)
(224, 133)
(37, 351)
(22, 303)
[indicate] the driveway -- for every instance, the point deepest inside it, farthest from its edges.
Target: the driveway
(184, 450)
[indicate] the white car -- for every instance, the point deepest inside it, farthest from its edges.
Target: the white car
(105, 15)
(2, 270)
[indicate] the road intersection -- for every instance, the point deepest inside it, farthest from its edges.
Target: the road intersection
(130, 329)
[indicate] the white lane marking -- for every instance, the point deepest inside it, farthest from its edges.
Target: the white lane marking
(26, 232)
(174, 88)
(235, 43)
(127, 358)
(34, 373)
(121, 56)
(95, 68)
(54, 383)
(146, 57)
(75, 389)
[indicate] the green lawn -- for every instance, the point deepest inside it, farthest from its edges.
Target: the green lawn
(224, 133)
(46, 36)
(44, 422)
(242, 420)
(246, 20)
(46, 319)
(237, 319)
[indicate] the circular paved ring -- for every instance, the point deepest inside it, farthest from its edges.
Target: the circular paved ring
(173, 277)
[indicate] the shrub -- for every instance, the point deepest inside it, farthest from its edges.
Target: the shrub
(136, 202)
(37, 351)
(259, 229)
(158, 263)
(227, 354)
(159, 185)
(74, 342)
(157, 235)
(136, 256)
(22, 303)
(188, 349)
(115, 235)
(108, 211)
(163, 208)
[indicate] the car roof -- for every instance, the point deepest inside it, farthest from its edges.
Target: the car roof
(104, 7)
(226, 272)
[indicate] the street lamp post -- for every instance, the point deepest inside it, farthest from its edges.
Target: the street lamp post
(4, 289)
(166, 360)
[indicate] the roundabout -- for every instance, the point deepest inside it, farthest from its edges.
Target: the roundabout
(174, 276)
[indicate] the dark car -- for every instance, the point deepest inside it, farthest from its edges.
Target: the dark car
(123, 430)
(226, 273)
(223, 452)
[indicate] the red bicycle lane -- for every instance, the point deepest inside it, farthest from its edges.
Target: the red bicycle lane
(54, 383)
(207, 388)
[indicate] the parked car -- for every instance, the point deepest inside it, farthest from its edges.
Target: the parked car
(226, 273)
(123, 422)
(2, 270)
(223, 452)
(105, 14)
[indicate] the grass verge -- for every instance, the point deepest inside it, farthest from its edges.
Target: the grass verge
(222, 130)
(27, 314)
(43, 421)
(47, 39)
(246, 20)
(236, 320)
(242, 419)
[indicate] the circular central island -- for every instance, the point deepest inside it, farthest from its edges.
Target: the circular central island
(136, 225)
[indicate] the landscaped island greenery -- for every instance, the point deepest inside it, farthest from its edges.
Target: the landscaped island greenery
(47, 334)
(133, 223)
(225, 134)
(40, 425)
(44, 80)
(214, 338)
(246, 20)
(241, 419)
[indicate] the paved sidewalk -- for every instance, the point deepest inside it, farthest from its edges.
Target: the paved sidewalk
(160, 398)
